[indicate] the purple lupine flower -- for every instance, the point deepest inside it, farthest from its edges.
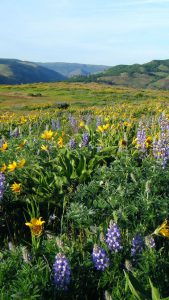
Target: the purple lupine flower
(2, 180)
(72, 144)
(85, 139)
(98, 122)
(164, 123)
(72, 121)
(16, 132)
(150, 242)
(55, 124)
(113, 237)
(137, 245)
(88, 118)
(99, 257)
(141, 139)
(61, 269)
(161, 149)
(161, 146)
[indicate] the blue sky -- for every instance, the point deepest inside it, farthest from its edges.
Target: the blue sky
(106, 32)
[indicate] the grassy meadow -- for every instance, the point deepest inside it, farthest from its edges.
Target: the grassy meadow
(84, 192)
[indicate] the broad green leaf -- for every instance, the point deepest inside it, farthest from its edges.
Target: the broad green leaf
(154, 291)
(136, 289)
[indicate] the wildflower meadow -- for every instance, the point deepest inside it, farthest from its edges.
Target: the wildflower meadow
(84, 192)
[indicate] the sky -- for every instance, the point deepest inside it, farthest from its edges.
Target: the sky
(107, 32)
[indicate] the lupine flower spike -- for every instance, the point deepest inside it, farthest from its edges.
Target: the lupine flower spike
(113, 237)
(137, 245)
(2, 180)
(100, 259)
(141, 139)
(61, 269)
(72, 144)
(85, 139)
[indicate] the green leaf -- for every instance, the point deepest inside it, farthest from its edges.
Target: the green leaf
(136, 289)
(81, 165)
(154, 291)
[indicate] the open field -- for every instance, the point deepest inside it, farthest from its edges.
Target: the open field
(16, 98)
(84, 192)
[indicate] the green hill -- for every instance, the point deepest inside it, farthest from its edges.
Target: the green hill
(74, 69)
(152, 75)
(13, 71)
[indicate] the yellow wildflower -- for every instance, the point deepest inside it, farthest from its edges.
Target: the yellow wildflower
(23, 120)
(21, 163)
(122, 143)
(163, 229)
(100, 128)
(82, 124)
(148, 141)
(47, 134)
(60, 142)
(106, 126)
(4, 146)
(3, 168)
(16, 187)
(156, 136)
(127, 124)
(134, 142)
(36, 226)
(21, 145)
(44, 148)
(12, 167)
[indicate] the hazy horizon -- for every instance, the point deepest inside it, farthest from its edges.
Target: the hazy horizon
(91, 32)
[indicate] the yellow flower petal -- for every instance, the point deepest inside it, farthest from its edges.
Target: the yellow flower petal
(47, 134)
(163, 229)
(16, 187)
(12, 167)
(36, 226)
(21, 163)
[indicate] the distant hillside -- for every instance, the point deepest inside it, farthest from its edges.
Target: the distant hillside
(153, 75)
(13, 71)
(74, 69)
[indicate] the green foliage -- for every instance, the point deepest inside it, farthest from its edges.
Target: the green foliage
(138, 291)
(77, 190)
